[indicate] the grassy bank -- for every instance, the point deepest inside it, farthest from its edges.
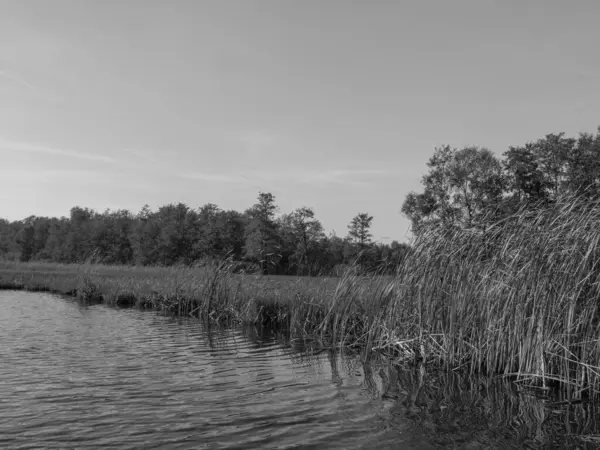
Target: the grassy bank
(315, 306)
(520, 298)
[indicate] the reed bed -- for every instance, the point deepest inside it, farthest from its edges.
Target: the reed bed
(519, 298)
(214, 292)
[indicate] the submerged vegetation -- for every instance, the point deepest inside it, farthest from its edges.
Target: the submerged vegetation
(502, 277)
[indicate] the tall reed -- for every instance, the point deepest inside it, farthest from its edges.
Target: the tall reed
(518, 298)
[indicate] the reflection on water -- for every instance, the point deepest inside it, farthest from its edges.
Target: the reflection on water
(468, 412)
(77, 376)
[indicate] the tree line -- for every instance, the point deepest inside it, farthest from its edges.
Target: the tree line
(471, 188)
(258, 239)
(468, 189)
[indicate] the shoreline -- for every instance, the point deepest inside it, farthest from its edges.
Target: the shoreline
(211, 293)
(452, 306)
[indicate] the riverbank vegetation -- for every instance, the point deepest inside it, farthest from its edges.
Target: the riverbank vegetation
(502, 276)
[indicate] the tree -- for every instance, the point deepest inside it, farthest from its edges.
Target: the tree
(524, 174)
(539, 171)
(302, 231)
(144, 237)
(553, 153)
(55, 248)
(433, 205)
(208, 231)
(79, 246)
(26, 239)
(459, 189)
(175, 234)
(111, 237)
(9, 249)
(583, 168)
(261, 239)
(359, 230)
(32, 237)
(176, 222)
(233, 233)
(5, 238)
(477, 182)
(332, 248)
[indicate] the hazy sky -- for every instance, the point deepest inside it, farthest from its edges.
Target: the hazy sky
(331, 104)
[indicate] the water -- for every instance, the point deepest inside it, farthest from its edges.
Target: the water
(87, 377)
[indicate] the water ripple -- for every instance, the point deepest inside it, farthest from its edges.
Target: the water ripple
(75, 376)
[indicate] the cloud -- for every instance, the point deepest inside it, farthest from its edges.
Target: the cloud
(36, 148)
(16, 79)
(214, 177)
(299, 176)
(143, 155)
(345, 175)
(319, 176)
(33, 175)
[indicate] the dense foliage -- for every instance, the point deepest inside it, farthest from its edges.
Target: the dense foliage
(258, 239)
(471, 188)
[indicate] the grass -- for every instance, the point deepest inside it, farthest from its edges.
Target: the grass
(211, 293)
(520, 299)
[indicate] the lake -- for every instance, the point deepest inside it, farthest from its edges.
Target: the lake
(88, 376)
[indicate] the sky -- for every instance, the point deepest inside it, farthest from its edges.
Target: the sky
(332, 104)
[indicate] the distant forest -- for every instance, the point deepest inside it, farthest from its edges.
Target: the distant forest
(258, 239)
(467, 189)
